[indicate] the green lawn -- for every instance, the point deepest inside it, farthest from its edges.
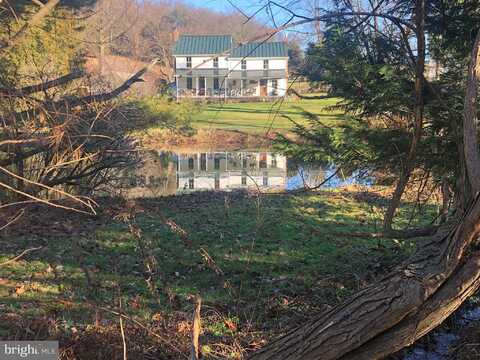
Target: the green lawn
(259, 263)
(260, 116)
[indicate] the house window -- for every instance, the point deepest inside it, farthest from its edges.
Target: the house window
(274, 84)
(217, 183)
(265, 180)
(265, 64)
(189, 62)
(215, 62)
(190, 163)
(216, 84)
(244, 180)
(189, 83)
(244, 64)
(216, 164)
(190, 183)
(234, 82)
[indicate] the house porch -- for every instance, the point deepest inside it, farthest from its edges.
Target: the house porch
(230, 87)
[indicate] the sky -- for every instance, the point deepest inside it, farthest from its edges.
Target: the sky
(219, 5)
(249, 7)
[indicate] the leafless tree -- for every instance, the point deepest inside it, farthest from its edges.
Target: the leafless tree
(57, 138)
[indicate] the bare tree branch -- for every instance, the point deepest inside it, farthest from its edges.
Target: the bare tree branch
(137, 77)
(42, 86)
(22, 254)
(306, 97)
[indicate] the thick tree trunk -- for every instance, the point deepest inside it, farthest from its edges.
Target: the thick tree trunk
(470, 135)
(409, 164)
(413, 299)
(460, 286)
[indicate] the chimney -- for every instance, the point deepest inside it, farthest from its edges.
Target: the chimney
(175, 35)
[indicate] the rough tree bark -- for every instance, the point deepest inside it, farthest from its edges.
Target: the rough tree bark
(472, 157)
(445, 200)
(409, 302)
(409, 164)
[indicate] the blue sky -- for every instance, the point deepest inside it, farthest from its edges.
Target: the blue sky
(247, 6)
(219, 5)
(250, 7)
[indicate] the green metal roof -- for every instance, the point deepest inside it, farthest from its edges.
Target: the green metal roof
(261, 50)
(202, 44)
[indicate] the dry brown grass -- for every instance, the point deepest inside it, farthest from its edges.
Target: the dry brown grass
(206, 140)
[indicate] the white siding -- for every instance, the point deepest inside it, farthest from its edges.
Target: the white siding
(282, 87)
(257, 64)
(222, 62)
(234, 65)
(276, 64)
(181, 62)
(202, 62)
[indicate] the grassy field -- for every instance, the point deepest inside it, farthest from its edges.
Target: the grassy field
(260, 116)
(260, 263)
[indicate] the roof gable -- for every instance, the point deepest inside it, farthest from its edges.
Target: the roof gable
(202, 44)
(261, 50)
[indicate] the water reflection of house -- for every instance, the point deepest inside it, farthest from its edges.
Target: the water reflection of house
(231, 170)
(163, 173)
(155, 176)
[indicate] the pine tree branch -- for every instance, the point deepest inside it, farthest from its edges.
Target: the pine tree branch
(27, 90)
(37, 18)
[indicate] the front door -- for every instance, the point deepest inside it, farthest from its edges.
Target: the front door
(263, 87)
(201, 86)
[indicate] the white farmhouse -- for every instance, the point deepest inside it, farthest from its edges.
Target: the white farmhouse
(209, 66)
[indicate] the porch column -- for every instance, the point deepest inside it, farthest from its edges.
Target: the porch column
(197, 83)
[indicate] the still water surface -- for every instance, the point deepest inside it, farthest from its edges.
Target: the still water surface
(162, 173)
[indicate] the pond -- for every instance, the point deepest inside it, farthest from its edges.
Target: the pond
(162, 173)
(440, 343)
